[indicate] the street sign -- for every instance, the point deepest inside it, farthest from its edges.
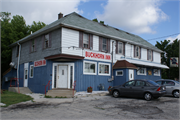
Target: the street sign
(174, 62)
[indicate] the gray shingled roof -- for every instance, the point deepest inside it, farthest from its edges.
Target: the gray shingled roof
(74, 20)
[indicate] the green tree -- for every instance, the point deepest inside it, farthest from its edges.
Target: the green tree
(95, 20)
(169, 50)
(36, 26)
(13, 30)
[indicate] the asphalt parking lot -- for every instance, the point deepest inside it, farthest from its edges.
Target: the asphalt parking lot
(96, 107)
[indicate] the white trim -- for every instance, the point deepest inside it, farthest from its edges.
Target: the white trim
(92, 63)
(103, 73)
(119, 71)
(138, 73)
(158, 72)
(69, 65)
(30, 72)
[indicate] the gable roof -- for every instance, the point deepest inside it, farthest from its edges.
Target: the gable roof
(76, 21)
(123, 64)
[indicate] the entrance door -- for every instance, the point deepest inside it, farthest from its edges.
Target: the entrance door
(26, 74)
(131, 74)
(62, 81)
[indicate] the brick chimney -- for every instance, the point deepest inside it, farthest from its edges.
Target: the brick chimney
(60, 15)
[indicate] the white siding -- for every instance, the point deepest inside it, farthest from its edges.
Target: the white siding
(70, 38)
(156, 57)
(95, 43)
(143, 54)
(128, 50)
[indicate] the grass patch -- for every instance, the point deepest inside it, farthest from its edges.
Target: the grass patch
(10, 98)
(60, 97)
(47, 96)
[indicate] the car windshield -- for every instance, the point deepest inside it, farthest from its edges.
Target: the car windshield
(153, 83)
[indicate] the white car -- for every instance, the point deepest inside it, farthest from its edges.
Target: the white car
(172, 86)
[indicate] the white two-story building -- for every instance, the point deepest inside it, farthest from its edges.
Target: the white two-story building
(74, 48)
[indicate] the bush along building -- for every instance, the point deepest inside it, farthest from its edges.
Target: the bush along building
(74, 48)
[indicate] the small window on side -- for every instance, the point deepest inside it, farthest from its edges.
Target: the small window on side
(119, 73)
(31, 71)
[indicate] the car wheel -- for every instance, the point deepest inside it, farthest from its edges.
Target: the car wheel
(147, 96)
(116, 93)
(176, 94)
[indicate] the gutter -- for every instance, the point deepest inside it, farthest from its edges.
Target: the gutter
(19, 54)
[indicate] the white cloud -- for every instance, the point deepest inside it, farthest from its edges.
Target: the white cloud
(134, 16)
(41, 10)
(173, 38)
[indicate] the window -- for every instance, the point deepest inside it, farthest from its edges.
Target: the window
(90, 68)
(46, 41)
(141, 71)
(159, 82)
(168, 83)
(33, 46)
(140, 83)
(150, 55)
(130, 83)
(120, 48)
(31, 71)
(119, 73)
(104, 69)
(104, 44)
(156, 72)
(137, 52)
(85, 40)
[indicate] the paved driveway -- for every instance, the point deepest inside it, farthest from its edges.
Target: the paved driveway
(95, 107)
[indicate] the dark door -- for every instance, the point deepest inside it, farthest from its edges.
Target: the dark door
(126, 90)
(139, 88)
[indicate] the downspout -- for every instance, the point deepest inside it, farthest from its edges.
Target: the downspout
(112, 77)
(18, 63)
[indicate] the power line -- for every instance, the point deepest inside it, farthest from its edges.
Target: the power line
(162, 37)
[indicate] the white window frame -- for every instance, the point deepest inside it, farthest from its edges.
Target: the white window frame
(121, 48)
(138, 73)
(150, 55)
(156, 74)
(91, 63)
(137, 56)
(104, 44)
(30, 71)
(119, 71)
(103, 73)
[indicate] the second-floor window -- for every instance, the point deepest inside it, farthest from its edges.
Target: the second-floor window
(104, 44)
(85, 40)
(32, 46)
(120, 47)
(149, 55)
(46, 41)
(137, 52)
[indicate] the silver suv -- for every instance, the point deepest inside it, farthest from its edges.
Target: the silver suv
(172, 86)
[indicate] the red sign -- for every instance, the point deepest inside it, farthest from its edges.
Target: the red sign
(97, 55)
(39, 63)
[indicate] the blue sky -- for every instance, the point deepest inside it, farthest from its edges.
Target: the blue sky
(146, 18)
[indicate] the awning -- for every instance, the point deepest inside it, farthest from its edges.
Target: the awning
(148, 63)
(123, 64)
(63, 57)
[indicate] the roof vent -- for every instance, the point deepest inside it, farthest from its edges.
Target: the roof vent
(60, 15)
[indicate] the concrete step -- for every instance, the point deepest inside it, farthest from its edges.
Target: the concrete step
(61, 93)
(23, 90)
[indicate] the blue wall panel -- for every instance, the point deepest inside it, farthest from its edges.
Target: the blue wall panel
(84, 81)
(12, 73)
(149, 77)
(119, 80)
(41, 77)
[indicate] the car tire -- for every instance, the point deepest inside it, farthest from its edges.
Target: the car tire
(147, 96)
(176, 93)
(115, 93)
